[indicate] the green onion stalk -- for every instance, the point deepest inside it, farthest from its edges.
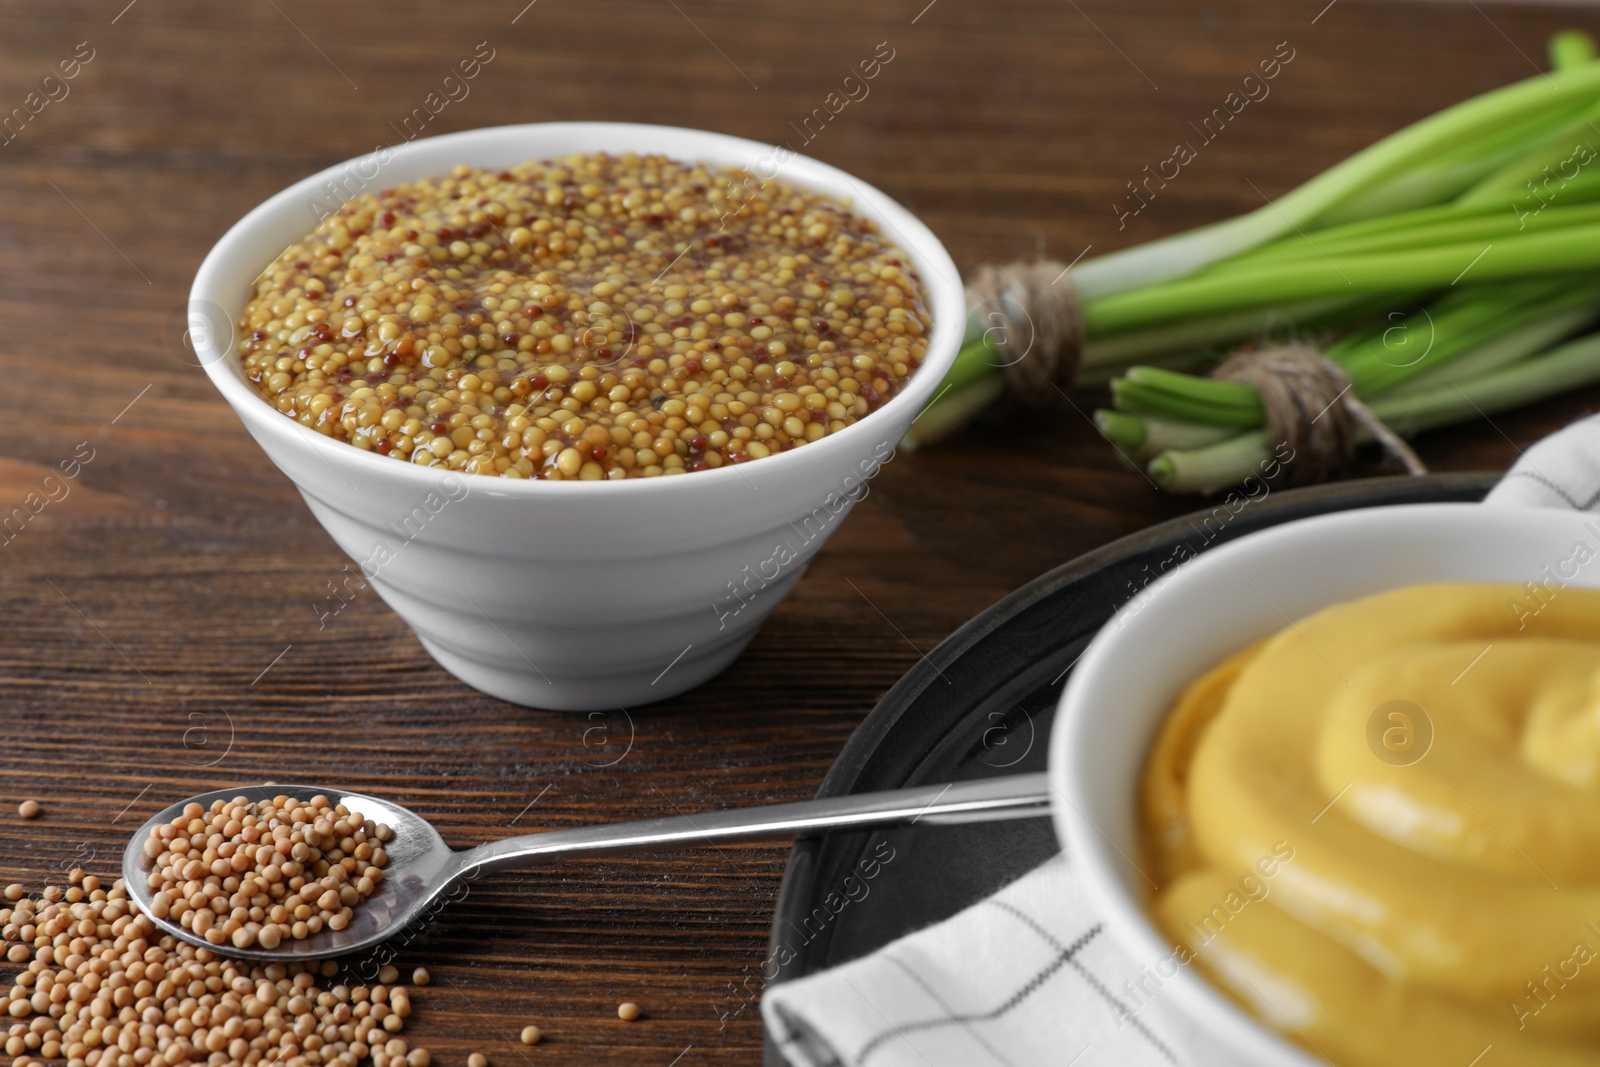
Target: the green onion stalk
(1445, 269)
(1466, 354)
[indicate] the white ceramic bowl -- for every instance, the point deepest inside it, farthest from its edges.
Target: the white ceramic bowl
(570, 595)
(1190, 620)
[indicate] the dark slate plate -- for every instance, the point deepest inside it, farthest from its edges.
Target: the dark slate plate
(981, 705)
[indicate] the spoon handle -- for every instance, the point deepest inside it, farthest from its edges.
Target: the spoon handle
(1012, 797)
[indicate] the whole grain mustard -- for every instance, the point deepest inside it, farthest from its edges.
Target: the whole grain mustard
(592, 317)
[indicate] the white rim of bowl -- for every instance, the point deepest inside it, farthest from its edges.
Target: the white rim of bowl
(945, 300)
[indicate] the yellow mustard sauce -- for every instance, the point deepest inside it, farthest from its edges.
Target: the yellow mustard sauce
(1379, 829)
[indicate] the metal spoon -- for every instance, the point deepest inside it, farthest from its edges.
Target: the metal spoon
(422, 868)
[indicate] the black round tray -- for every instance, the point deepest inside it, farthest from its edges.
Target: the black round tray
(980, 705)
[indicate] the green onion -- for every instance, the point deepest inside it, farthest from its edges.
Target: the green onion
(1443, 260)
(1480, 119)
(1462, 333)
(940, 418)
(1511, 347)
(1210, 330)
(1141, 438)
(1571, 249)
(1206, 470)
(1571, 48)
(1209, 468)
(1570, 366)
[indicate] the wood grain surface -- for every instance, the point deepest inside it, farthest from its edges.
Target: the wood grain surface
(157, 629)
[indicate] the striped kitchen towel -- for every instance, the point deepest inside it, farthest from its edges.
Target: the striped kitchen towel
(1561, 471)
(1025, 977)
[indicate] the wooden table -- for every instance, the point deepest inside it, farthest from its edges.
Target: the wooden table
(157, 629)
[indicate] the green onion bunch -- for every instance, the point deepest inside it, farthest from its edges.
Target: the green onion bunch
(1450, 270)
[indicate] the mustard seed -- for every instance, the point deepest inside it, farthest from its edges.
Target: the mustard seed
(488, 321)
(388, 974)
(253, 873)
(531, 1035)
(30, 809)
(420, 976)
(628, 1011)
(106, 988)
(477, 1059)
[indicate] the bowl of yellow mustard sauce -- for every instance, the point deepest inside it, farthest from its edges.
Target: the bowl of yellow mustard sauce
(1336, 788)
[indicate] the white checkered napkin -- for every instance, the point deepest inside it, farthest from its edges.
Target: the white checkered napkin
(1562, 471)
(1024, 978)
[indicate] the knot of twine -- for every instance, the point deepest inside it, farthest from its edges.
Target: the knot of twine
(1311, 407)
(1033, 316)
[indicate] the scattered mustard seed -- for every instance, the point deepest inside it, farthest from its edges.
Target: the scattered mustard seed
(420, 976)
(103, 987)
(531, 1035)
(388, 974)
(14, 891)
(30, 809)
(477, 1059)
(628, 1011)
(240, 868)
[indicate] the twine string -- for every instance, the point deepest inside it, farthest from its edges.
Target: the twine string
(1311, 407)
(1036, 322)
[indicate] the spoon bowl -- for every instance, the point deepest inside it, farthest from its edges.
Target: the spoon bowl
(422, 868)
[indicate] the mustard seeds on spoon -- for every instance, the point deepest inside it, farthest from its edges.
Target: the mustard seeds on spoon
(257, 873)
